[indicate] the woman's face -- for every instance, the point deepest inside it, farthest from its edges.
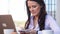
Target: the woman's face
(34, 8)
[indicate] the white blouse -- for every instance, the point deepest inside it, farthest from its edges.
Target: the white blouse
(50, 24)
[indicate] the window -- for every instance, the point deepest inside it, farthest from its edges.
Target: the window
(51, 7)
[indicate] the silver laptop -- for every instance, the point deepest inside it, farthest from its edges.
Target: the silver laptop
(6, 22)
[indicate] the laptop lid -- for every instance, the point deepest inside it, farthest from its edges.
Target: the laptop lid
(6, 22)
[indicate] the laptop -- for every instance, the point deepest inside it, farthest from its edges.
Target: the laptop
(6, 22)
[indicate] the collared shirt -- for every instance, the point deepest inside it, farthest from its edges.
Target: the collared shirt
(50, 24)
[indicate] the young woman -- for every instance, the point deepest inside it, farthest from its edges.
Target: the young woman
(38, 19)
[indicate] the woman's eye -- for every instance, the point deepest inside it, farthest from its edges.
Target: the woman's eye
(34, 6)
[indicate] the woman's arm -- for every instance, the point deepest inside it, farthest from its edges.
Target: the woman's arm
(53, 25)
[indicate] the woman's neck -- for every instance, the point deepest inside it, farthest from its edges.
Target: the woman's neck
(35, 21)
(36, 17)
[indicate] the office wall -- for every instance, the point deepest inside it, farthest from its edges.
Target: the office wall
(3, 7)
(58, 12)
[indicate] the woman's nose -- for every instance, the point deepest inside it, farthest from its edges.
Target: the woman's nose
(31, 9)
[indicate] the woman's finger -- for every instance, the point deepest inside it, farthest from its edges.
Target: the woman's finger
(22, 32)
(14, 33)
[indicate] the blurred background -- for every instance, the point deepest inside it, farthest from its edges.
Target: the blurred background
(17, 9)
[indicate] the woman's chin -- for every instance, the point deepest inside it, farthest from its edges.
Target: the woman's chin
(33, 14)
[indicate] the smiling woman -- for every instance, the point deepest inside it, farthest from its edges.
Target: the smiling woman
(36, 16)
(39, 20)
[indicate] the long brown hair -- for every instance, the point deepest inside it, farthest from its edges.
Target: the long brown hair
(42, 15)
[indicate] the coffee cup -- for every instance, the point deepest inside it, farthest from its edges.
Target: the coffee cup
(8, 31)
(47, 32)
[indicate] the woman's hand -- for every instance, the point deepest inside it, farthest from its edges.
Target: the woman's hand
(17, 33)
(14, 33)
(22, 32)
(31, 32)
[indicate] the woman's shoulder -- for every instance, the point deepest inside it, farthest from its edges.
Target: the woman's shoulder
(49, 18)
